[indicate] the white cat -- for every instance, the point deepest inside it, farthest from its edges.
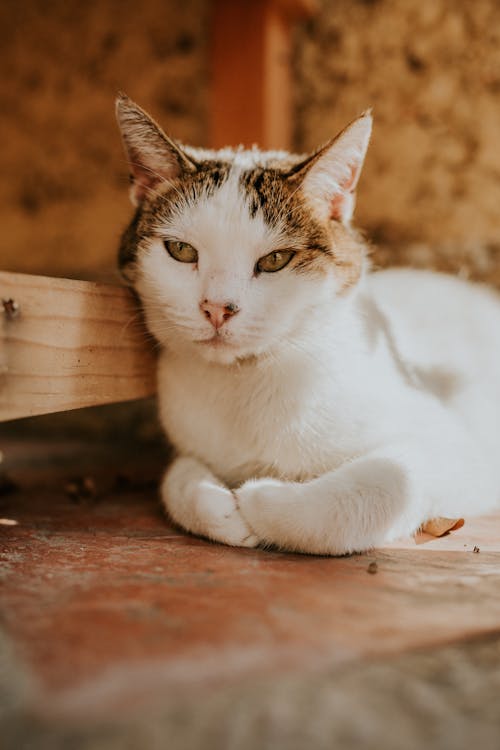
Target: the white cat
(313, 405)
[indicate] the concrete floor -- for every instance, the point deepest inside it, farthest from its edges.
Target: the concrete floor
(119, 631)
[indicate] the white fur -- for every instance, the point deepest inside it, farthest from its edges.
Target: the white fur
(229, 243)
(317, 421)
(361, 417)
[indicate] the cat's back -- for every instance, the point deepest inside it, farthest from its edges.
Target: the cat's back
(436, 318)
(419, 291)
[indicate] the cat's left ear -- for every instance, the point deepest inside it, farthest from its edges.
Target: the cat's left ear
(153, 157)
(329, 177)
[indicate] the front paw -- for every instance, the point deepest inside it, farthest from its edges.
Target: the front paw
(199, 503)
(219, 511)
(255, 497)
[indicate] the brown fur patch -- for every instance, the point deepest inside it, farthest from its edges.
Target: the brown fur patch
(272, 189)
(350, 254)
(162, 200)
(347, 257)
(318, 244)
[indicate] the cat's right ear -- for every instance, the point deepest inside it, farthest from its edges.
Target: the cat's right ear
(152, 156)
(330, 175)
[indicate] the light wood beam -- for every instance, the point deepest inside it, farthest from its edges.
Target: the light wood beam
(66, 344)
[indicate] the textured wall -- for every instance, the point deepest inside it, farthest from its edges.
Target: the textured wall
(431, 70)
(64, 202)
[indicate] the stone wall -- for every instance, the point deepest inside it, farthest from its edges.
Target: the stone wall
(430, 193)
(64, 201)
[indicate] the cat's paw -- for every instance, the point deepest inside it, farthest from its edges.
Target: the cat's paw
(254, 498)
(251, 491)
(218, 509)
(200, 504)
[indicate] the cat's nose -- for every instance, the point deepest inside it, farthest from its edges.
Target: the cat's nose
(218, 312)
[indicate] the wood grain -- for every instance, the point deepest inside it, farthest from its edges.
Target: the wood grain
(72, 344)
(251, 71)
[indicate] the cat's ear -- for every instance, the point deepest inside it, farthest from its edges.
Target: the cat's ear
(153, 157)
(329, 177)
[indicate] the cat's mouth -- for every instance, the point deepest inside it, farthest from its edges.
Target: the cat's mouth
(215, 340)
(223, 349)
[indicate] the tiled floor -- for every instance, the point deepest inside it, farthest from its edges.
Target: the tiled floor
(107, 609)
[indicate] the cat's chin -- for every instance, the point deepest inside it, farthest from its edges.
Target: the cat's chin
(220, 351)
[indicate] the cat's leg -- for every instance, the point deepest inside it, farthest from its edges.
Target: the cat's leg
(375, 498)
(198, 502)
(346, 510)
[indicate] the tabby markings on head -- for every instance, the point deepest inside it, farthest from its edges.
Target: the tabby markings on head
(311, 198)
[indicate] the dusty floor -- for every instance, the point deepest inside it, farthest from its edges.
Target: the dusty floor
(118, 631)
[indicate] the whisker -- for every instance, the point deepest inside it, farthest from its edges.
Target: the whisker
(282, 208)
(161, 178)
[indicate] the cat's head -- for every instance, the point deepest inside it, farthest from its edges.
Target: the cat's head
(234, 252)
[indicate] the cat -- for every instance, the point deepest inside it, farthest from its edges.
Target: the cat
(314, 406)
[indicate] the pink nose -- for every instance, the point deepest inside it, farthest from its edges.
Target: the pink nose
(217, 312)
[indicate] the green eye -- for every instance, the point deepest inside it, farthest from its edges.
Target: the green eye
(181, 251)
(274, 261)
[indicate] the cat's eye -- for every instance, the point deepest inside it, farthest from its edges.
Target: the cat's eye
(181, 251)
(274, 261)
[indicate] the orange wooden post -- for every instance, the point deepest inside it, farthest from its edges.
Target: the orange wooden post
(251, 81)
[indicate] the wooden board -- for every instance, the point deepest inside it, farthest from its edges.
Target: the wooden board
(251, 71)
(70, 344)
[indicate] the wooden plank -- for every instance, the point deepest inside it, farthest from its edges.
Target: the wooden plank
(251, 79)
(70, 344)
(236, 106)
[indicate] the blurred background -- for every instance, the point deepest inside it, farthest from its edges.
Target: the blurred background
(283, 73)
(430, 193)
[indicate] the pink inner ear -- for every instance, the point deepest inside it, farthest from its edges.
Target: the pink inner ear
(142, 182)
(336, 206)
(144, 177)
(344, 196)
(350, 183)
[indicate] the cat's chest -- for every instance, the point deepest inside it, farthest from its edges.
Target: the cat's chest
(245, 425)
